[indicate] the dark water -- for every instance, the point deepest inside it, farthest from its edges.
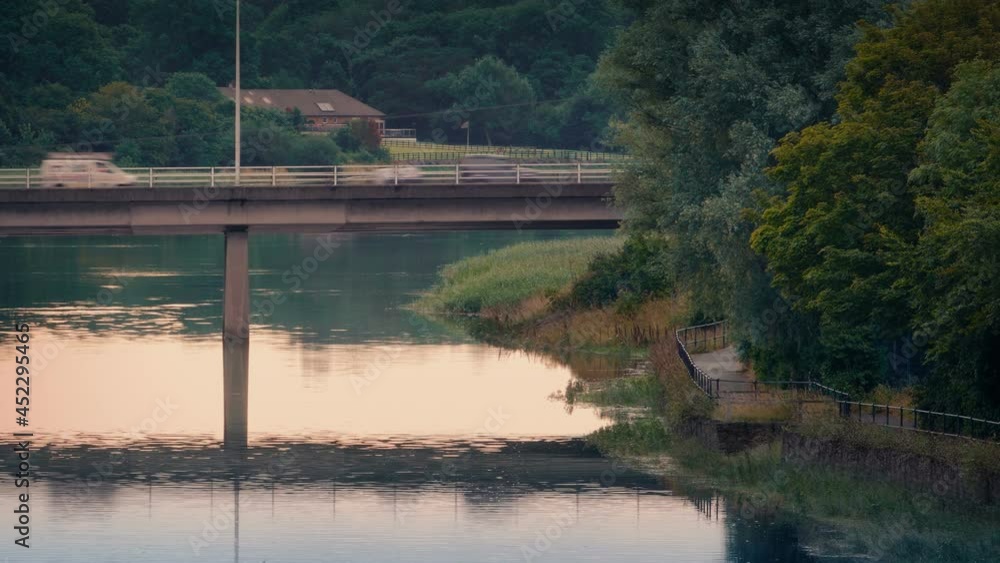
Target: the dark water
(375, 435)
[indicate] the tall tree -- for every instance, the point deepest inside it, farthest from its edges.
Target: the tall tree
(710, 87)
(490, 94)
(953, 274)
(840, 238)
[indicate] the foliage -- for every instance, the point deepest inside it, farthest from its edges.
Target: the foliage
(396, 56)
(954, 267)
(635, 273)
(503, 278)
(645, 435)
(862, 224)
(644, 391)
(709, 88)
(500, 92)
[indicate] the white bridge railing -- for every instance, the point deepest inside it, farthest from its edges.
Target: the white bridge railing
(346, 175)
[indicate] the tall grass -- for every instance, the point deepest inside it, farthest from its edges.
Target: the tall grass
(642, 391)
(501, 281)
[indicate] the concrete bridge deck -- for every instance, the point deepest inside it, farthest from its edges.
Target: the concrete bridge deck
(403, 207)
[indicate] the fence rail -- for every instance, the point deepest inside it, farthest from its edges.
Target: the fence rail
(346, 175)
(396, 134)
(709, 334)
(719, 331)
(422, 150)
(906, 418)
(903, 418)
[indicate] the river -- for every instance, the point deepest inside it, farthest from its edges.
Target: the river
(375, 434)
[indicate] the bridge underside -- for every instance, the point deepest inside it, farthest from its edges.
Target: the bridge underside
(143, 211)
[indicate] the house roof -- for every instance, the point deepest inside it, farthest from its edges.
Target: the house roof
(332, 103)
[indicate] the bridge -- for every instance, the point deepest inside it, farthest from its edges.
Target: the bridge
(491, 199)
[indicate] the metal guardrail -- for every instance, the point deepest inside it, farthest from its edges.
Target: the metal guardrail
(705, 334)
(906, 418)
(719, 330)
(399, 134)
(903, 418)
(715, 334)
(346, 175)
(757, 387)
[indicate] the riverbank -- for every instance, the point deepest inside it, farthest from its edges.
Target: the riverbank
(651, 414)
(521, 297)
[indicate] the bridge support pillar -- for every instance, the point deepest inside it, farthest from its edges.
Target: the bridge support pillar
(236, 338)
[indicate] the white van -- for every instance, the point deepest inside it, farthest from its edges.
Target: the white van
(83, 171)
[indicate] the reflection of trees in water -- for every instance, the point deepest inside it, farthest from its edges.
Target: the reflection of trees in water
(754, 540)
(488, 469)
(486, 478)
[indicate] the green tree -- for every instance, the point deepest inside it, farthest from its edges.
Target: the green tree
(954, 271)
(838, 241)
(709, 88)
(121, 112)
(193, 86)
(490, 93)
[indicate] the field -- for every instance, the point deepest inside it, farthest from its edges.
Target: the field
(410, 151)
(503, 279)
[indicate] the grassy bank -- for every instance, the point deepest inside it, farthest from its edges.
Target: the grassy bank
(435, 152)
(516, 296)
(515, 280)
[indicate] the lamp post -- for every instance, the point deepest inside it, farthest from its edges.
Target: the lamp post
(238, 95)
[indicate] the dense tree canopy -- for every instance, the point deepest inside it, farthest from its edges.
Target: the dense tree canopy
(401, 58)
(828, 186)
(955, 267)
(885, 229)
(710, 87)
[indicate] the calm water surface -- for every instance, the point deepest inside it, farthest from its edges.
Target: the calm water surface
(375, 435)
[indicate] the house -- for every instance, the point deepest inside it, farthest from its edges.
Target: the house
(324, 110)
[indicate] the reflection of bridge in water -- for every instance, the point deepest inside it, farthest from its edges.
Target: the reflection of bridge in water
(402, 479)
(561, 464)
(237, 211)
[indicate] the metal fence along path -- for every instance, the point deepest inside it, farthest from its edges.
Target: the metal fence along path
(702, 338)
(345, 175)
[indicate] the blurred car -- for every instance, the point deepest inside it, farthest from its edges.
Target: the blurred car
(83, 170)
(402, 173)
(488, 168)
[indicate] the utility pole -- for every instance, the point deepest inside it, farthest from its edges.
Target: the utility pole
(238, 95)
